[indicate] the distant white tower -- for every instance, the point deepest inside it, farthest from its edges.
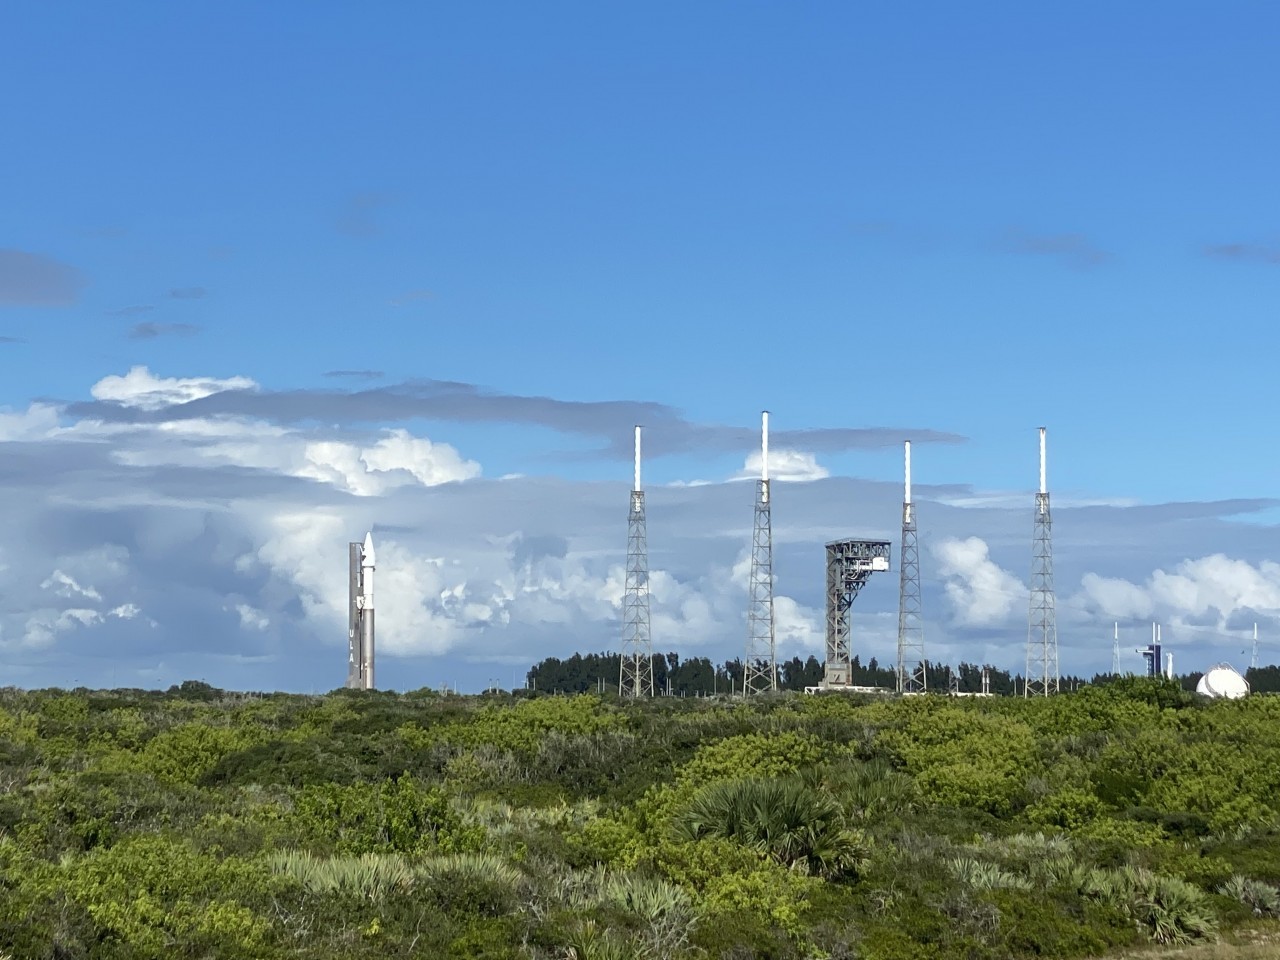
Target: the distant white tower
(1042, 626)
(1115, 650)
(635, 674)
(759, 668)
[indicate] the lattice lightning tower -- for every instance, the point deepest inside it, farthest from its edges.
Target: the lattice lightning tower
(1042, 626)
(759, 668)
(911, 663)
(635, 674)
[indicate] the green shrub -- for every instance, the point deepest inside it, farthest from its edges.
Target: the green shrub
(1034, 925)
(1069, 809)
(783, 819)
(521, 728)
(476, 883)
(154, 893)
(963, 758)
(284, 762)
(398, 816)
(727, 878)
(187, 752)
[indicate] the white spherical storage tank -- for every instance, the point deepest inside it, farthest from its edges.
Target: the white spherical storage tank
(1223, 680)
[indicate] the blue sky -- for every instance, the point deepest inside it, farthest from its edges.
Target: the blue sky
(917, 219)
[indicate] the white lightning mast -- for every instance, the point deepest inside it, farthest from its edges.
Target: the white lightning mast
(1042, 627)
(635, 672)
(911, 662)
(759, 668)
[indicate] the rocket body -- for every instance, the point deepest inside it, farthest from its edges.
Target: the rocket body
(360, 632)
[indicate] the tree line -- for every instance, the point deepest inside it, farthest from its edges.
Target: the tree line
(700, 677)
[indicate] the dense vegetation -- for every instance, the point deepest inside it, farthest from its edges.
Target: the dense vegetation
(195, 823)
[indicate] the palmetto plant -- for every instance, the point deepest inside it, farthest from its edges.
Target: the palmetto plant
(1262, 898)
(1174, 911)
(864, 791)
(786, 819)
(590, 942)
(374, 876)
(665, 909)
(1027, 847)
(468, 868)
(665, 912)
(649, 898)
(1058, 870)
(981, 875)
(1168, 908)
(371, 875)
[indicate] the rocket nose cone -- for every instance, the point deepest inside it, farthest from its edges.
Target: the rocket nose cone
(369, 558)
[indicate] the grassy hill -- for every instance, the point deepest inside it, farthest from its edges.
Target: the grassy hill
(197, 823)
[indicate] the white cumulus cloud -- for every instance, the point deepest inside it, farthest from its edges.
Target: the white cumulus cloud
(1214, 586)
(786, 466)
(1116, 598)
(397, 459)
(37, 422)
(982, 593)
(250, 618)
(370, 467)
(142, 389)
(66, 586)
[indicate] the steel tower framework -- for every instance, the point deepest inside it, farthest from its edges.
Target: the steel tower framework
(759, 668)
(912, 670)
(850, 564)
(1042, 626)
(635, 674)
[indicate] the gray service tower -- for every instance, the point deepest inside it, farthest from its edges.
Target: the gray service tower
(360, 615)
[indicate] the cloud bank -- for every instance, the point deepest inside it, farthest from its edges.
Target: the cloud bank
(181, 535)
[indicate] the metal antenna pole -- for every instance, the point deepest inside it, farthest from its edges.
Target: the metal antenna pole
(759, 669)
(911, 663)
(1042, 626)
(635, 674)
(1115, 651)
